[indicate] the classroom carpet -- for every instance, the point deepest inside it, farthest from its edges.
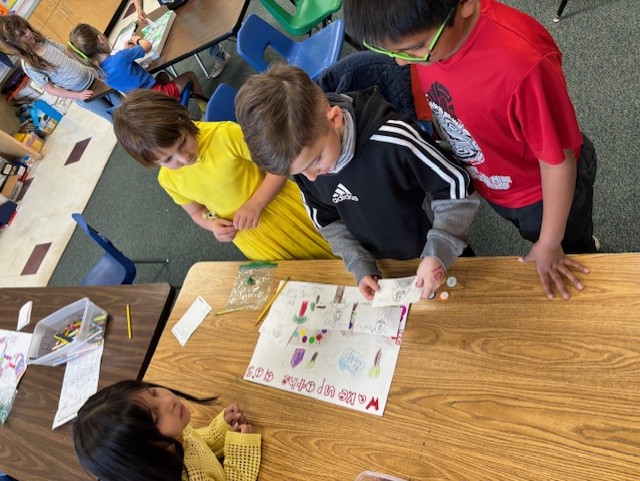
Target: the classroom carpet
(60, 184)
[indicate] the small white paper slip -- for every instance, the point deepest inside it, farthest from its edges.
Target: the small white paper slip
(24, 317)
(396, 292)
(382, 321)
(80, 382)
(191, 320)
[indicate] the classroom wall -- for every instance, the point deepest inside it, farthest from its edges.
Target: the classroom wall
(56, 18)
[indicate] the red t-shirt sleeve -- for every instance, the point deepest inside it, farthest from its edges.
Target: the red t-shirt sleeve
(542, 114)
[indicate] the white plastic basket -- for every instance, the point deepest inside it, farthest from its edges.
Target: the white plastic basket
(51, 347)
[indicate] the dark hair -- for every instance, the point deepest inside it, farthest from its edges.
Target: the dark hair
(84, 45)
(116, 438)
(11, 29)
(381, 21)
(147, 121)
(280, 111)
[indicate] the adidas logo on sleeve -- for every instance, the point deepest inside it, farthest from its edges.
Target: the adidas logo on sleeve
(342, 193)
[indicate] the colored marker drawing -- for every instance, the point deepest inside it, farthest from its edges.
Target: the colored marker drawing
(351, 362)
(344, 353)
(14, 347)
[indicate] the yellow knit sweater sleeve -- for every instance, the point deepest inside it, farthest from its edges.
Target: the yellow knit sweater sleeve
(214, 434)
(205, 446)
(241, 456)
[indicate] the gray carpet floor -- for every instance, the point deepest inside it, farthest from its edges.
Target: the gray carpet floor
(602, 73)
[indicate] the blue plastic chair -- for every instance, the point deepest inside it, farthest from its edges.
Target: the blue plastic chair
(313, 55)
(221, 105)
(187, 93)
(114, 267)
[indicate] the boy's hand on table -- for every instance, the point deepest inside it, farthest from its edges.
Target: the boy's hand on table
(247, 216)
(430, 275)
(368, 286)
(223, 229)
(553, 267)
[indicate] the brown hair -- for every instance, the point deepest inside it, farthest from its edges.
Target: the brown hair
(11, 29)
(84, 44)
(147, 121)
(280, 111)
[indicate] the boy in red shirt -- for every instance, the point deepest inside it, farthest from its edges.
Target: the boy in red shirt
(493, 79)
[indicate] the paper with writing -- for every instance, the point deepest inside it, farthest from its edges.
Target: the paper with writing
(190, 320)
(80, 381)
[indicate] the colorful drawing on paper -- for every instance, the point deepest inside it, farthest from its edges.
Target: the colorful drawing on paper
(344, 351)
(14, 347)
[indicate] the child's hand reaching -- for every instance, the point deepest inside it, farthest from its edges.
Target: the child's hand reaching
(132, 42)
(223, 229)
(85, 94)
(430, 275)
(368, 286)
(247, 216)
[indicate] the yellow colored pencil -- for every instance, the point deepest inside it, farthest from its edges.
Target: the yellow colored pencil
(230, 309)
(275, 296)
(128, 310)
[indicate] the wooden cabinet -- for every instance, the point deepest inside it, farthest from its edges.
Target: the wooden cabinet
(56, 18)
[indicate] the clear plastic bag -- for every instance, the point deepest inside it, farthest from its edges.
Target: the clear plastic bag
(252, 286)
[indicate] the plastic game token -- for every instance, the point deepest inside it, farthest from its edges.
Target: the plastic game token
(444, 295)
(451, 281)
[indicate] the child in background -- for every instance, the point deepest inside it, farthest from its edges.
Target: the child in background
(140, 432)
(47, 64)
(493, 79)
(206, 169)
(364, 172)
(119, 70)
(220, 57)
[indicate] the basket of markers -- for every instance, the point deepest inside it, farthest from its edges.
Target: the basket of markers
(67, 333)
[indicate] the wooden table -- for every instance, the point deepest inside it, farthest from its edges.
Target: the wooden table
(29, 449)
(199, 24)
(497, 383)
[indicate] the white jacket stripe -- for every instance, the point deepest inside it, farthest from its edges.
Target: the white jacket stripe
(408, 137)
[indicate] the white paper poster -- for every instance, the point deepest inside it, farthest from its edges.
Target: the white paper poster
(307, 347)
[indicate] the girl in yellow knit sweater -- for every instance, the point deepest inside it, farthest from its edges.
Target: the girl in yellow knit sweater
(140, 432)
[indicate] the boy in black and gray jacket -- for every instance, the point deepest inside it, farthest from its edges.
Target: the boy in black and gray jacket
(364, 173)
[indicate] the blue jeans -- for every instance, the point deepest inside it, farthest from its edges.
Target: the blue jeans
(101, 105)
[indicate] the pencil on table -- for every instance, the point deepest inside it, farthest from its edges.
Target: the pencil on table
(128, 310)
(268, 306)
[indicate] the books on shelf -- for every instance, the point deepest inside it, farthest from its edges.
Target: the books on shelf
(155, 32)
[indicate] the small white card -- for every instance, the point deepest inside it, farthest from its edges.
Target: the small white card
(24, 316)
(396, 292)
(191, 320)
(382, 321)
